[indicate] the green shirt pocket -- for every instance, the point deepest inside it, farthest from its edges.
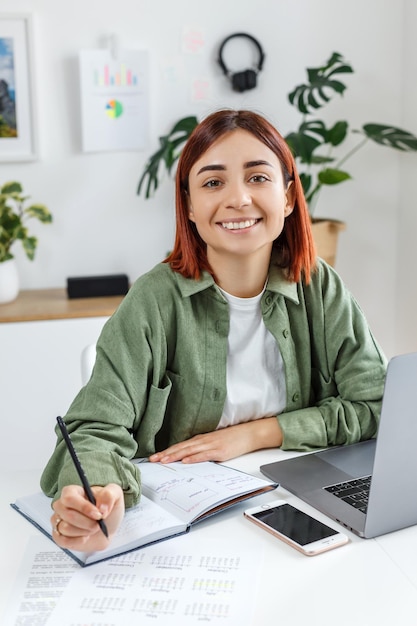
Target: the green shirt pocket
(153, 418)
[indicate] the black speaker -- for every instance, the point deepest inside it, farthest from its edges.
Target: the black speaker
(96, 286)
(242, 81)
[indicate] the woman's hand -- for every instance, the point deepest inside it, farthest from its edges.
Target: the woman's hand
(225, 443)
(75, 519)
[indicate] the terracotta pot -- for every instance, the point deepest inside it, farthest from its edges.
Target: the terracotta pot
(326, 235)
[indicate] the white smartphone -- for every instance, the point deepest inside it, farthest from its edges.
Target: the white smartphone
(298, 529)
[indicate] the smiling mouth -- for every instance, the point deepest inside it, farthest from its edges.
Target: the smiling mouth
(239, 225)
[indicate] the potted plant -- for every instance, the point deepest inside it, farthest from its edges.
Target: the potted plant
(14, 215)
(315, 146)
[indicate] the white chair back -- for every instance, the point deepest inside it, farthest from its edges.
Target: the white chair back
(88, 358)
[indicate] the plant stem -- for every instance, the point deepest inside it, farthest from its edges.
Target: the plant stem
(352, 152)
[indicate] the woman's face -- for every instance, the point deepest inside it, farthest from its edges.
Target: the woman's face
(237, 196)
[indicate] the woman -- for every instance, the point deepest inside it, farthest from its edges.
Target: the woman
(241, 340)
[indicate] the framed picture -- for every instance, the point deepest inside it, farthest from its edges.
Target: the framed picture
(17, 100)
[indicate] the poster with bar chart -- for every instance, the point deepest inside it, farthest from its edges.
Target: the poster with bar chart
(114, 100)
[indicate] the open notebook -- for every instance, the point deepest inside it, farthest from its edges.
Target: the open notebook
(174, 497)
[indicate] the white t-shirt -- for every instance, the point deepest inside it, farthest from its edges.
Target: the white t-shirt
(255, 369)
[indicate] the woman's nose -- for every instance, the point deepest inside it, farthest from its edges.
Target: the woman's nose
(237, 196)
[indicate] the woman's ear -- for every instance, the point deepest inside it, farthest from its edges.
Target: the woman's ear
(289, 199)
(190, 210)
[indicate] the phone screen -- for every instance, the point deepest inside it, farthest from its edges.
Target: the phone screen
(295, 524)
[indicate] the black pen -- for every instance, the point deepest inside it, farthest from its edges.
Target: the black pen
(78, 467)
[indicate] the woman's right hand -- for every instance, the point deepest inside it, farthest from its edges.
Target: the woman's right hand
(75, 519)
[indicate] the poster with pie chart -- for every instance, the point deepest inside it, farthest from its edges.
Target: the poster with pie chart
(114, 108)
(114, 100)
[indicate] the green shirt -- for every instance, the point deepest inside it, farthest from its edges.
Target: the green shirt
(160, 373)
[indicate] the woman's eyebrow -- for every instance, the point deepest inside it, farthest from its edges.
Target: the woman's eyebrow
(219, 168)
(256, 163)
(215, 168)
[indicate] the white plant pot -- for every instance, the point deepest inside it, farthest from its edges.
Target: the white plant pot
(9, 281)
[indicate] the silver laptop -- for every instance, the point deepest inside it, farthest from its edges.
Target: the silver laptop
(334, 480)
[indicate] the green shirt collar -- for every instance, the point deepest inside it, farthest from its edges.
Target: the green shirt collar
(277, 283)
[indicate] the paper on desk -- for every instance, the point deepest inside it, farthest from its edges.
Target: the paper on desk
(171, 582)
(43, 575)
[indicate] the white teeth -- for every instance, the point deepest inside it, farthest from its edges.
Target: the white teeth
(238, 225)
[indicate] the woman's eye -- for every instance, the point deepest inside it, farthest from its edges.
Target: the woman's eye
(212, 183)
(258, 178)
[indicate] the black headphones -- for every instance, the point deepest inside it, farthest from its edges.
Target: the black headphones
(242, 81)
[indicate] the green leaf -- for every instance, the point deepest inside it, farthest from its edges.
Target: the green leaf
(168, 154)
(321, 85)
(331, 176)
(150, 173)
(317, 159)
(40, 212)
(337, 134)
(29, 246)
(306, 181)
(11, 187)
(186, 124)
(172, 151)
(5, 254)
(20, 233)
(315, 128)
(9, 220)
(341, 69)
(302, 146)
(310, 136)
(391, 137)
(336, 86)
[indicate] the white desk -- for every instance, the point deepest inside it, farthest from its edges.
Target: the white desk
(366, 583)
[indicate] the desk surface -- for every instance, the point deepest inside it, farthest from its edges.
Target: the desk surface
(366, 583)
(53, 304)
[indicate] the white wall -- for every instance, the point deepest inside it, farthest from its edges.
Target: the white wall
(101, 226)
(406, 294)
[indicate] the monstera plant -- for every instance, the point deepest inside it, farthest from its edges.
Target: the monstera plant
(318, 148)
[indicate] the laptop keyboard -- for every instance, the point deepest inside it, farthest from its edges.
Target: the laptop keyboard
(354, 492)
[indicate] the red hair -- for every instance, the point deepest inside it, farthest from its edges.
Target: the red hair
(295, 243)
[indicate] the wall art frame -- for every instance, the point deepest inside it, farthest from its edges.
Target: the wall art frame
(18, 132)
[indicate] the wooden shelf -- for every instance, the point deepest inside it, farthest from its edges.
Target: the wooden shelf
(53, 304)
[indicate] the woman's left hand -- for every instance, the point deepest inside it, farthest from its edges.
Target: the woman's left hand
(225, 443)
